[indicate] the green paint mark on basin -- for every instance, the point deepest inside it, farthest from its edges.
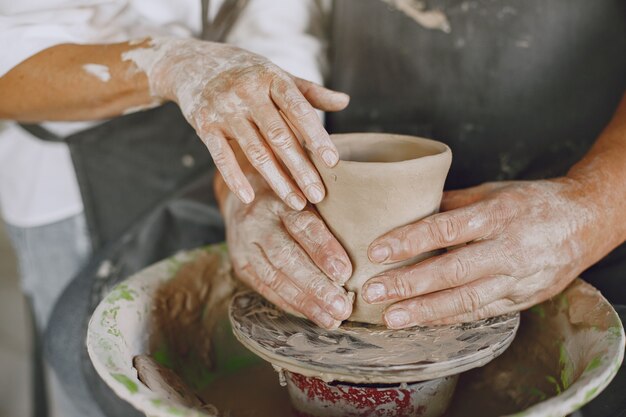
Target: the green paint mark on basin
(121, 292)
(590, 394)
(538, 310)
(567, 368)
(553, 381)
(163, 356)
(130, 385)
(175, 411)
(595, 363)
(237, 363)
(615, 331)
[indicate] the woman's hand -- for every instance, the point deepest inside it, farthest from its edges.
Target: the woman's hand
(288, 256)
(526, 241)
(228, 93)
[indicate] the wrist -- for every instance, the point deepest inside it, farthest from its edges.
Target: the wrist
(158, 58)
(598, 184)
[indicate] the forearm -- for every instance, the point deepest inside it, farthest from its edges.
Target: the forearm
(602, 175)
(61, 83)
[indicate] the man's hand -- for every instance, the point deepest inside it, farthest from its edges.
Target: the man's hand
(525, 242)
(228, 93)
(288, 256)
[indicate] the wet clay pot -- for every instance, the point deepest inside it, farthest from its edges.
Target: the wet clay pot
(312, 397)
(381, 182)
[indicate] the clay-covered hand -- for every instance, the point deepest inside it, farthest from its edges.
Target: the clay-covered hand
(228, 93)
(526, 241)
(289, 257)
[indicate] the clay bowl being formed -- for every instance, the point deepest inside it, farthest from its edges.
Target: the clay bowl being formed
(382, 181)
(566, 352)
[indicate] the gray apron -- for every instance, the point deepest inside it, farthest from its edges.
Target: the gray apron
(127, 165)
(518, 89)
(492, 89)
(146, 185)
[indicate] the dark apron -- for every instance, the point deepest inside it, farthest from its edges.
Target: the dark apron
(508, 112)
(146, 185)
(127, 165)
(518, 89)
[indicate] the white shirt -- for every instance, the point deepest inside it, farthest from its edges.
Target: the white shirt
(37, 181)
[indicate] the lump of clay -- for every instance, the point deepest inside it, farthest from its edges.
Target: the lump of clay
(381, 182)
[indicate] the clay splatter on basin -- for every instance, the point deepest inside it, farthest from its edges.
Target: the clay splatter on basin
(566, 351)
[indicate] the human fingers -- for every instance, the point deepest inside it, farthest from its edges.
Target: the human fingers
(286, 255)
(227, 165)
(441, 230)
(303, 117)
(454, 199)
(457, 301)
(284, 300)
(262, 159)
(321, 97)
(452, 269)
(319, 243)
(312, 298)
(497, 308)
(288, 149)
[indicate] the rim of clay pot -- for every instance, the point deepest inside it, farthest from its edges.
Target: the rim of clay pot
(433, 149)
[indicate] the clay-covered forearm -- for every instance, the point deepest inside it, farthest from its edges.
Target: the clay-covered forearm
(74, 82)
(601, 175)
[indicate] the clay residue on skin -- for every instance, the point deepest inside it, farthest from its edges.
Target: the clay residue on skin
(416, 10)
(134, 109)
(99, 71)
(363, 353)
(161, 61)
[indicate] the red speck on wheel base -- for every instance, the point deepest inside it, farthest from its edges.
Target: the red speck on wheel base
(365, 401)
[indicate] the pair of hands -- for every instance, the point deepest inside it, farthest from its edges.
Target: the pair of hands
(525, 242)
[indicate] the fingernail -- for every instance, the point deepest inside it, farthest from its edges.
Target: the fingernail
(295, 201)
(338, 306)
(330, 157)
(315, 193)
(375, 292)
(338, 269)
(397, 318)
(380, 253)
(341, 96)
(246, 195)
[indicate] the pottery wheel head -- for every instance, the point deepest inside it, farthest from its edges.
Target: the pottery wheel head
(364, 353)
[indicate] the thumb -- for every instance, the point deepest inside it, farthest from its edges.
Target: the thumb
(320, 97)
(455, 199)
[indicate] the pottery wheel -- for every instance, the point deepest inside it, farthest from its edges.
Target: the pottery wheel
(363, 353)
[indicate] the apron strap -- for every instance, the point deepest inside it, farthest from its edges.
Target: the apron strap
(219, 29)
(41, 132)
(215, 31)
